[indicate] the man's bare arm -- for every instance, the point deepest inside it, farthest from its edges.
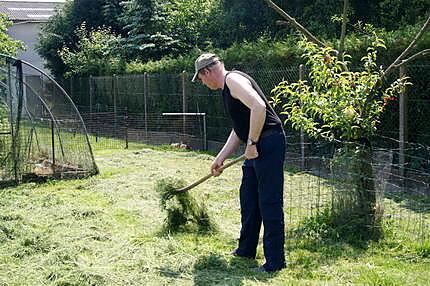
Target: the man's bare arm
(230, 146)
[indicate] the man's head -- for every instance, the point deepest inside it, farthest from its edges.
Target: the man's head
(209, 69)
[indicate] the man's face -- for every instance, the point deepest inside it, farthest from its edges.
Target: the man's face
(207, 78)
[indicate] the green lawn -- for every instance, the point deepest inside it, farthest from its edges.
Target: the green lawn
(106, 230)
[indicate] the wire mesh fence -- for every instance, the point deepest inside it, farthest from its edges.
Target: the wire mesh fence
(158, 93)
(42, 131)
(123, 110)
(327, 183)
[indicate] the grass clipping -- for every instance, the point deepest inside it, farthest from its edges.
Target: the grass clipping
(183, 211)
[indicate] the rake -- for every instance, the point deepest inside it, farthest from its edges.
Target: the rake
(203, 179)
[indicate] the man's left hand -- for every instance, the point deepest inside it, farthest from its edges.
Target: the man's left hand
(251, 152)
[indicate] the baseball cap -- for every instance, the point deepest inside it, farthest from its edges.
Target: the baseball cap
(203, 61)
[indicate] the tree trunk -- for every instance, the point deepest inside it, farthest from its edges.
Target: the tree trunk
(354, 198)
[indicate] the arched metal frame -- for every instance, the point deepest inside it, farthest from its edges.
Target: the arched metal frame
(22, 106)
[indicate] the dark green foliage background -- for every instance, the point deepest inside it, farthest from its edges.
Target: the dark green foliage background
(175, 31)
(166, 36)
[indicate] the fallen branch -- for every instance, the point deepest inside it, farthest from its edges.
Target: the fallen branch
(296, 24)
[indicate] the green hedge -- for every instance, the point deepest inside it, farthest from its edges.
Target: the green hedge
(268, 53)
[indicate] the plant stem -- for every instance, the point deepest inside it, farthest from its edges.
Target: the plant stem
(343, 31)
(411, 58)
(408, 49)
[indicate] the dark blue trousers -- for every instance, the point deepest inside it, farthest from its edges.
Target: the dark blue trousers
(261, 200)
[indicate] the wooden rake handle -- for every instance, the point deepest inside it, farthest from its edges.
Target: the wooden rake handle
(198, 182)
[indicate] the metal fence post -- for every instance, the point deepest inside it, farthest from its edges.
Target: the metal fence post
(145, 96)
(302, 135)
(10, 101)
(184, 102)
(71, 88)
(97, 126)
(205, 139)
(114, 104)
(91, 101)
(16, 136)
(126, 127)
(403, 100)
(53, 142)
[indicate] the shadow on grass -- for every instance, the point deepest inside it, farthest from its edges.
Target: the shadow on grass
(412, 199)
(188, 228)
(310, 254)
(217, 270)
(324, 238)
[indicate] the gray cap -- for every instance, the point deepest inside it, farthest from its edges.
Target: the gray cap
(203, 61)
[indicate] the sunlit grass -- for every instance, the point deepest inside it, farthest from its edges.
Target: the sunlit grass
(107, 230)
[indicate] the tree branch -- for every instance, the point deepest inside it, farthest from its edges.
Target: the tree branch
(409, 48)
(411, 58)
(296, 24)
(343, 31)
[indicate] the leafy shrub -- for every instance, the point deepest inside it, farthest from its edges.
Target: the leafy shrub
(337, 103)
(269, 53)
(8, 45)
(96, 53)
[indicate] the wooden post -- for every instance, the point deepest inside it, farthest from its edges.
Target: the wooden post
(403, 103)
(302, 135)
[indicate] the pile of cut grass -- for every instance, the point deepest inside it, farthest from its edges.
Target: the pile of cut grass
(183, 211)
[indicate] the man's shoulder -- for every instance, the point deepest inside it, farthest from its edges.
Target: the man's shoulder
(236, 77)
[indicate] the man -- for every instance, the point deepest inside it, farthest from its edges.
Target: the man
(261, 191)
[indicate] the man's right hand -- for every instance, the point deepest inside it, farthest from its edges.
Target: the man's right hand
(215, 167)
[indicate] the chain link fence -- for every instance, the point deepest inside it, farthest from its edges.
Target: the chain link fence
(144, 98)
(169, 109)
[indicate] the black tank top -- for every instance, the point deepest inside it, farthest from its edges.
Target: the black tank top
(240, 113)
